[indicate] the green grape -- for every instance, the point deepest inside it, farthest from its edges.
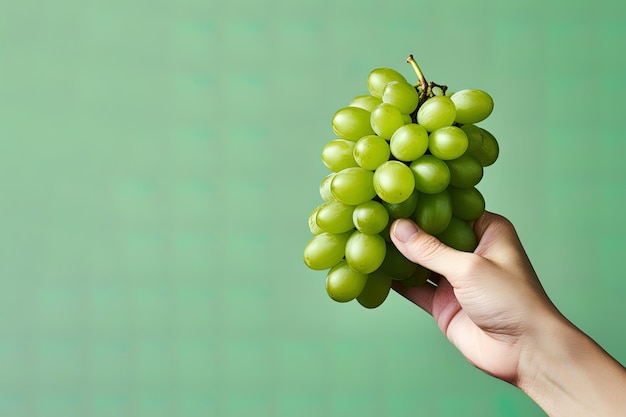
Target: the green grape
(401, 95)
(385, 120)
(418, 278)
(436, 112)
(352, 123)
(325, 250)
(395, 265)
(467, 203)
(407, 119)
(313, 227)
(365, 102)
(448, 142)
(343, 284)
(370, 217)
(437, 91)
(376, 290)
(338, 155)
(370, 151)
(409, 142)
(378, 79)
(488, 153)
(353, 186)
(335, 217)
(474, 137)
(404, 209)
(365, 253)
(393, 182)
(325, 187)
(386, 233)
(433, 212)
(459, 235)
(465, 171)
(431, 174)
(472, 106)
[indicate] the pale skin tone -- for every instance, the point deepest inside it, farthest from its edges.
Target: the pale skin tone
(492, 307)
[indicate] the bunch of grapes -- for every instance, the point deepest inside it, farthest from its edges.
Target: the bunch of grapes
(402, 151)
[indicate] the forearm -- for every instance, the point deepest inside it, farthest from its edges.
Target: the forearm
(567, 374)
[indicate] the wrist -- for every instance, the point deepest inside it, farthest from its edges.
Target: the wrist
(567, 374)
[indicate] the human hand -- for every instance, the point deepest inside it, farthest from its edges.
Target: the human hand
(491, 306)
(487, 303)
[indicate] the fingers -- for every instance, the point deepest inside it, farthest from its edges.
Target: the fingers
(497, 238)
(425, 249)
(492, 223)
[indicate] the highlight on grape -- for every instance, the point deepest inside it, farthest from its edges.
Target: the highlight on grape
(401, 151)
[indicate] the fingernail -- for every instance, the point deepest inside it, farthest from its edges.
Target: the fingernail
(404, 230)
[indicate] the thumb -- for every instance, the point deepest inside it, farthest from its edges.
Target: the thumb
(426, 250)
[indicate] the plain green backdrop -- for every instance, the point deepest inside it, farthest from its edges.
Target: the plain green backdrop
(159, 160)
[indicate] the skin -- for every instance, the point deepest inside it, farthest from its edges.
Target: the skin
(492, 307)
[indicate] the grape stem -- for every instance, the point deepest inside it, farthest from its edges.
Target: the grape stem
(426, 87)
(421, 77)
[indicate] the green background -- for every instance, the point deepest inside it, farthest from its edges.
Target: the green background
(159, 160)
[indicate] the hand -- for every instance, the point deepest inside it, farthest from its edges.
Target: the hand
(491, 306)
(488, 301)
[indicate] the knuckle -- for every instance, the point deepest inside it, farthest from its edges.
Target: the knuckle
(502, 222)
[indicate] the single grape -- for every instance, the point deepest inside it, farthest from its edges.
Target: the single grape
(467, 203)
(474, 137)
(325, 187)
(488, 153)
(436, 112)
(407, 119)
(437, 91)
(465, 171)
(370, 217)
(352, 123)
(338, 155)
(472, 106)
(365, 253)
(313, 227)
(370, 151)
(404, 209)
(433, 212)
(375, 291)
(418, 278)
(353, 186)
(386, 233)
(395, 265)
(459, 235)
(343, 284)
(394, 182)
(378, 79)
(324, 250)
(401, 95)
(335, 217)
(431, 174)
(365, 102)
(385, 120)
(409, 142)
(449, 142)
